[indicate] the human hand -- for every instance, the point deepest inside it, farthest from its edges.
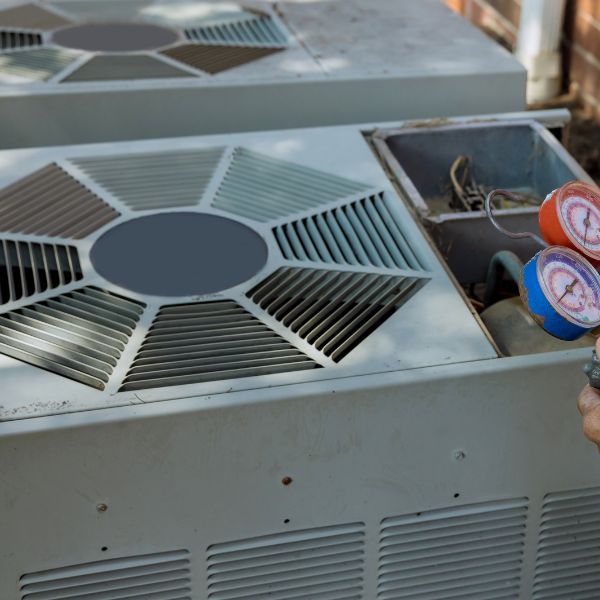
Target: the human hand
(589, 407)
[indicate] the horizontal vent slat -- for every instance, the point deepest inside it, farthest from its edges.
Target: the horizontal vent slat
(469, 589)
(31, 16)
(296, 560)
(124, 68)
(263, 188)
(223, 341)
(51, 202)
(255, 30)
(495, 549)
(35, 64)
(365, 232)
(153, 181)
(335, 311)
(214, 59)
(79, 343)
(162, 576)
(473, 551)
(568, 556)
(322, 538)
(324, 563)
(452, 575)
(15, 40)
(29, 268)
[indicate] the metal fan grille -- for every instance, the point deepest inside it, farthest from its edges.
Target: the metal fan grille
(365, 232)
(39, 64)
(154, 180)
(28, 268)
(288, 312)
(215, 59)
(79, 335)
(257, 31)
(39, 44)
(124, 68)
(30, 16)
(334, 311)
(51, 202)
(263, 188)
(195, 343)
(15, 40)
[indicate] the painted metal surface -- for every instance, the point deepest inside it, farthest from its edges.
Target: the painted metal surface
(354, 472)
(407, 328)
(331, 72)
(290, 462)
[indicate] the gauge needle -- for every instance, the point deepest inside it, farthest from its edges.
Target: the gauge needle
(587, 223)
(568, 289)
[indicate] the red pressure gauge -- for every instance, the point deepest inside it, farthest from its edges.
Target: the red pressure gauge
(570, 216)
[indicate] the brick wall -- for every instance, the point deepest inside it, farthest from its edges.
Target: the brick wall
(498, 18)
(581, 46)
(581, 38)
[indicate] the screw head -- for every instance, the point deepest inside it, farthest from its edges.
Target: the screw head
(287, 480)
(102, 507)
(460, 455)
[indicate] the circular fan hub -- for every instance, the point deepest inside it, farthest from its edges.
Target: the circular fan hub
(115, 37)
(179, 254)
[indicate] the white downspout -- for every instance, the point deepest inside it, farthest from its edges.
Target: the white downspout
(538, 47)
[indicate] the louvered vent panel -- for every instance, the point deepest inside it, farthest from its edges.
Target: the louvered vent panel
(37, 64)
(259, 30)
(361, 233)
(568, 556)
(325, 563)
(79, 335)
(473, 551)
(210, 341)
(214, 59)
(28, 268)
(157, 180)
(31, 16)
(164, 576)
(333, 310)
(263, 188)
(15, 40)
(51, 202)
(103, 10)
(198, 14)
(125, 67)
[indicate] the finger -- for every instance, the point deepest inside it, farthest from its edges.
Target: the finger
(591, 426)
(589, 400)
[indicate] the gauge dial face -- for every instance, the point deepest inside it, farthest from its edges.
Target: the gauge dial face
(571, 285)
(579, 208)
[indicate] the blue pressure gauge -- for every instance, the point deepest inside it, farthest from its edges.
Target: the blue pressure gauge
(561, 290)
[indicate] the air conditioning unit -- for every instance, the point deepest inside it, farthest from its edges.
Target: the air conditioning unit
(235, 367)
(74, 71)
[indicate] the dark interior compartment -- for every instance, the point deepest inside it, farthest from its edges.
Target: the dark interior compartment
(522, 157)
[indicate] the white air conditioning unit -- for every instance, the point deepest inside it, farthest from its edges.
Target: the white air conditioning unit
(74, 71)
(233, 367)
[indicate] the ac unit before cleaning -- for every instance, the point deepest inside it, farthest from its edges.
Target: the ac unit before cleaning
(234, 367)
(75, 71)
